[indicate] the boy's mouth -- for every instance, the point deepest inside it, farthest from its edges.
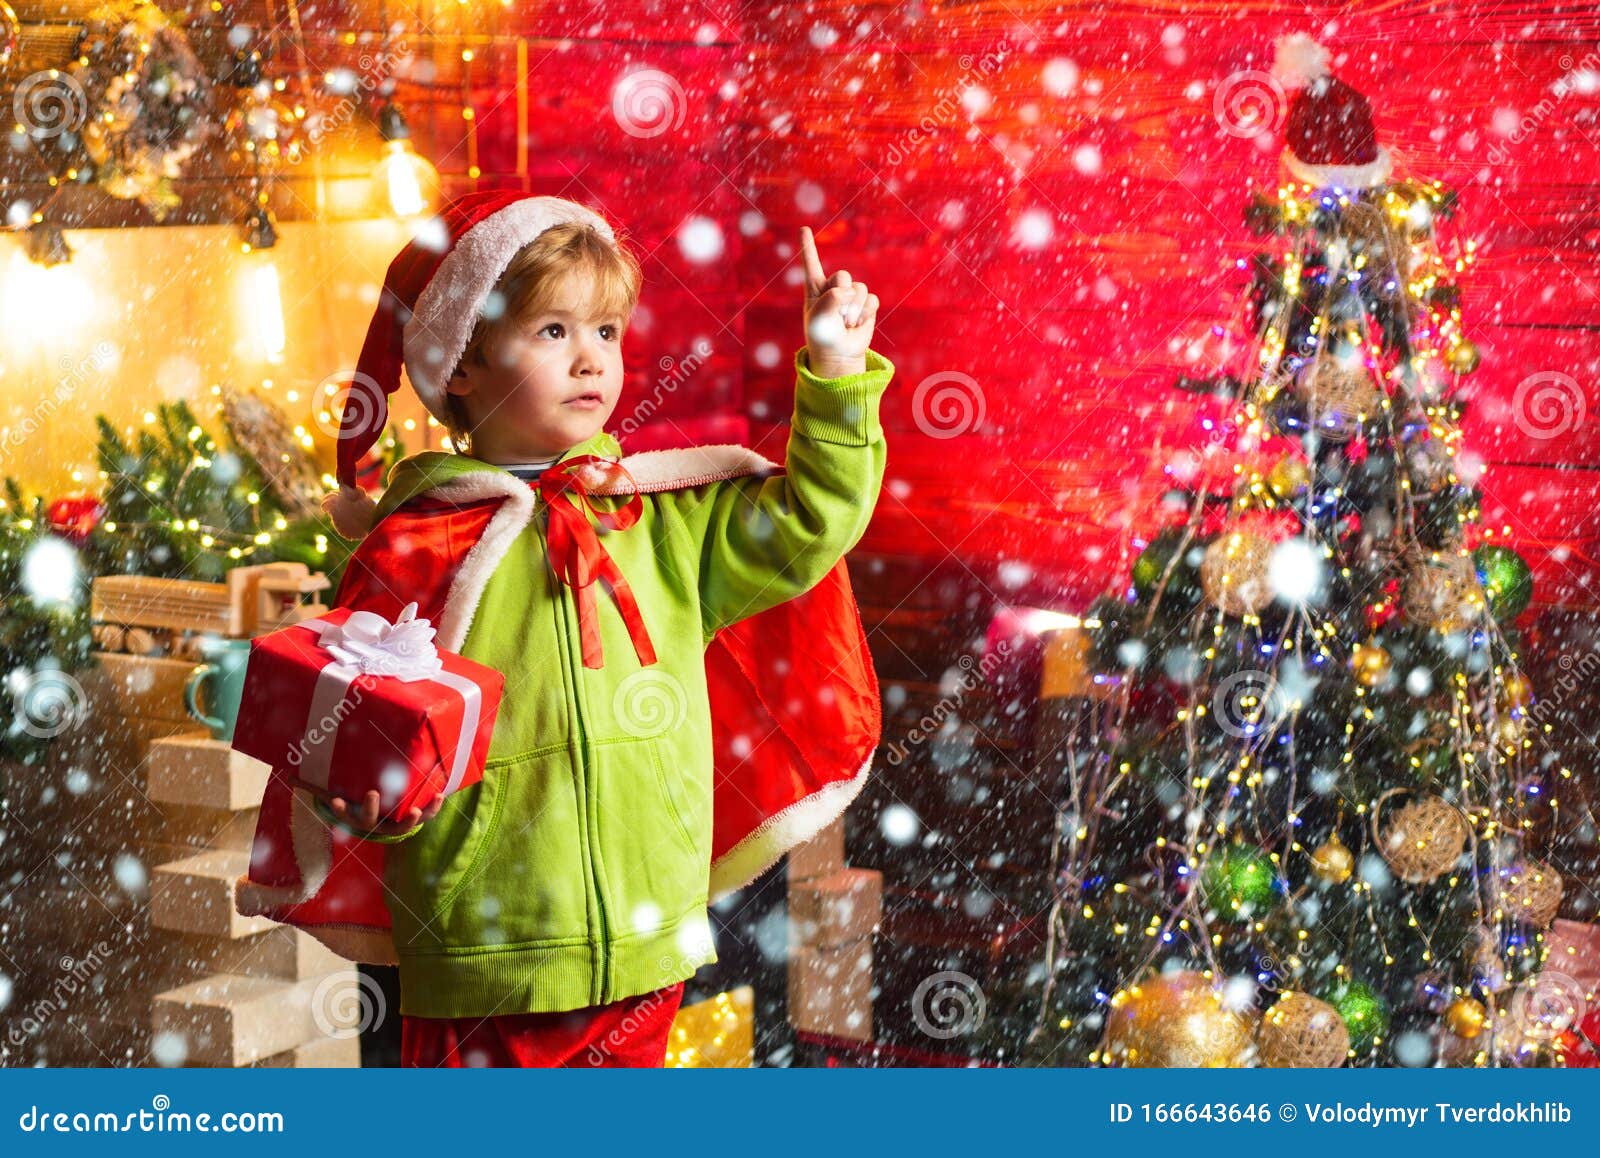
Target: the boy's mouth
(588, 400)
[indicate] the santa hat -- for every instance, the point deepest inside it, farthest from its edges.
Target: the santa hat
(432, 297)
(1330, 136)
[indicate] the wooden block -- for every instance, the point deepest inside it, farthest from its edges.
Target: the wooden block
(138, 685)
(836, 909)
(1574, 949)
(819, 856)
(1067, 669)
(282, 952)
(198, 770)
(227, 1019)
(195, 895)
(326, 1053)
(830, 989)
(189, 830)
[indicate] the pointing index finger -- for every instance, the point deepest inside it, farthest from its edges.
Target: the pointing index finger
(814, 273)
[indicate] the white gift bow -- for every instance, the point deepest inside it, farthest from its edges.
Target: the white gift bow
(368, 644)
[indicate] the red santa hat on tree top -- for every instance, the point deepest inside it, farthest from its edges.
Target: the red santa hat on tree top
(432, 297)
(1330, 136)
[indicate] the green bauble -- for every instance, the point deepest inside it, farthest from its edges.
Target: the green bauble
(1240, 882)
(1183, 585)
(1366, 1015)
(1506, 580)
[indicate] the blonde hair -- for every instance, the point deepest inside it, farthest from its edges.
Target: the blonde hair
(529, 286)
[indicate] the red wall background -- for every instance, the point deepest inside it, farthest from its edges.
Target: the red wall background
(1095, 136)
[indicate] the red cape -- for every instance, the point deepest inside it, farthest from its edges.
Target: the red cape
(792, 742)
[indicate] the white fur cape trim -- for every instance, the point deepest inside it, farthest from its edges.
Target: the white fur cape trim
(802, 820)
(1374, 172)
(449, 305)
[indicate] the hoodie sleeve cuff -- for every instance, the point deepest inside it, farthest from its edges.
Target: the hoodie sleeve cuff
(326, 813)
(841, 410)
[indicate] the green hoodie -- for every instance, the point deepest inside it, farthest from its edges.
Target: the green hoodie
(576, 872)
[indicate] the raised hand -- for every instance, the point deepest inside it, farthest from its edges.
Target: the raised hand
(367, 817)
(839, 316)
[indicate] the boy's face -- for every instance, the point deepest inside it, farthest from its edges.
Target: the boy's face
(551, 380)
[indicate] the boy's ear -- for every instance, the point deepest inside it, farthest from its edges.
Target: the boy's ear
(460, 384)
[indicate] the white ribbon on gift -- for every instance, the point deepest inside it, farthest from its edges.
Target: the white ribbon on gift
(368, 644)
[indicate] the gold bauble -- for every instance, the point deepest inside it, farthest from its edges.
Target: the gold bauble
(1371, 664)
(1233, 573)
(1466, 1017)
(1332, 861)
(1423, 840)
(1463, 357)
(1443, 592)
(1301, 1031)
(1529, 891)
(1514, 692)
(1341, 395)
(1174, 1020)
(1410, 208)
(1289, 477)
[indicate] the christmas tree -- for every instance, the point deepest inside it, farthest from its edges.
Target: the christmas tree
(1316, 826)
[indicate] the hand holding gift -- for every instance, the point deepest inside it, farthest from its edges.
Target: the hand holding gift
(369, 715)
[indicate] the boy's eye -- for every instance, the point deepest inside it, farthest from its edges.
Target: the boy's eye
(608, 332)
(553, 326)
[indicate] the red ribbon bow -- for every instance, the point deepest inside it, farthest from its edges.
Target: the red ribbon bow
(579, 559)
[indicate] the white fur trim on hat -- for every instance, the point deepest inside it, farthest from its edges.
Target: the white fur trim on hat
(448, 307)
(1374, 172)
(1299, 61)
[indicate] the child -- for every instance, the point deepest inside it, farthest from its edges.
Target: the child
(659, 743)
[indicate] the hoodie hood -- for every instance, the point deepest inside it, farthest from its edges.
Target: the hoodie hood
(433, 470)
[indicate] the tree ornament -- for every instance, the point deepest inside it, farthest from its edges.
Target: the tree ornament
(1528, 891)
(1175, 1020)
(1365, 1013)
(1423, 840)
(1442, 593)
(74, 517)
(1169, 549)
(1488, 962)
(1332, 861)
(1234, 573)
(1289, 477)
(1507, 580)
(1515, 693)
(1302, 1032)
(1371, 665)
(1463, 357)
(1430, 468)
(1410, 208)
(1240, 882)
(1466, 1017)
(1341, 396)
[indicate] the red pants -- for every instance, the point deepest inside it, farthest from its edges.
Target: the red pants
(631, 1032)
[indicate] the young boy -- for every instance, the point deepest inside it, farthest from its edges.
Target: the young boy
(661, 740)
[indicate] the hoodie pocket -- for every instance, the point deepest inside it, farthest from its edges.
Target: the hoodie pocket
(668, 793)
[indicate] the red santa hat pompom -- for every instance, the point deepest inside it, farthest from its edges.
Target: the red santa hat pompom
(1330, 138)
(431, 299)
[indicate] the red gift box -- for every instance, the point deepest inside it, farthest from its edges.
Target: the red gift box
(348, 702)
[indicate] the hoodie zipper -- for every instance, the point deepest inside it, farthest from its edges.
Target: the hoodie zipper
(591, 818)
